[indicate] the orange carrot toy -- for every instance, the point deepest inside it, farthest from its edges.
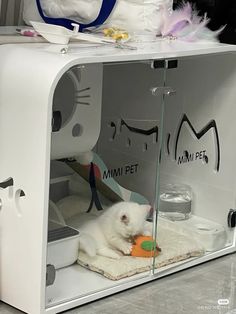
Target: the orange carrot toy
(145, 246)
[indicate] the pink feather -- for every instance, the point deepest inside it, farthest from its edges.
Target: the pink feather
(182, 15)
(184, 23)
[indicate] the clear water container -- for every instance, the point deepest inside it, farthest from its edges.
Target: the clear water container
(175, 201)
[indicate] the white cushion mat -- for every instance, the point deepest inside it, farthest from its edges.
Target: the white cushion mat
(176, 243)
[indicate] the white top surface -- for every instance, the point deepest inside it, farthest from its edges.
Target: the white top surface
(160, 49)
(88, 53)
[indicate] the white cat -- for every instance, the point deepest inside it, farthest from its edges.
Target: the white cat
(109, 234)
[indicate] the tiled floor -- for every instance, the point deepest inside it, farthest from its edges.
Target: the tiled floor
(193, 291)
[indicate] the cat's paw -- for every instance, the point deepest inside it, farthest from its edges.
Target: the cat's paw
(116, 256)
(126, 248)
(107, 252)
(147, 233)
(148, 229)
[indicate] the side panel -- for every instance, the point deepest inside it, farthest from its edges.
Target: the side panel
(199, 136)
(25, 128)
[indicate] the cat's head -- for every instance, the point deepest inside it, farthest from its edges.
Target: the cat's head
(130, 218)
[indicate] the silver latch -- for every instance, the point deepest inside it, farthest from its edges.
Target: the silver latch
(166, 91)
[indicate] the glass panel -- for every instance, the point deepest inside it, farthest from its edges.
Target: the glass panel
(102, 157)
(197, 180)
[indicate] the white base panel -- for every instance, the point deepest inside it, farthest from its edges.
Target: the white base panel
(76, 285)
(75, 281)
(173, 268)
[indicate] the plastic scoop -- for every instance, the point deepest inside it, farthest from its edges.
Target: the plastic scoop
(60, 35)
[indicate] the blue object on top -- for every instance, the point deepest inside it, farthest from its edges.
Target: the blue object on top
(105, 11)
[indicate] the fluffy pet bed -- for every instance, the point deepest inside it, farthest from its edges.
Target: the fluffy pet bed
(176, 243)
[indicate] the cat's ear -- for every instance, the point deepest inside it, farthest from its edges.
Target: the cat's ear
(146, 207)
(124, 218)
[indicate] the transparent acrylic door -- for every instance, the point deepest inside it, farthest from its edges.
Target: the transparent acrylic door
(197, 177)
(121, 166)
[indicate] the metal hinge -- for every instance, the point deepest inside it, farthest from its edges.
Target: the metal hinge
(165, 64)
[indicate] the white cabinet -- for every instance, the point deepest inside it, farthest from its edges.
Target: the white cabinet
(125, 113)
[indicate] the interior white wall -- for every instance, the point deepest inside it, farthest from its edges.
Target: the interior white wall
(11, 12)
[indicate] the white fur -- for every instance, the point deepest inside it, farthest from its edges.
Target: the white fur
(109, 234)
(135, 16)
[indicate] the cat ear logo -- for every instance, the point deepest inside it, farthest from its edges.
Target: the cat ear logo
(188, 156)
(121, 126)
(153, 130)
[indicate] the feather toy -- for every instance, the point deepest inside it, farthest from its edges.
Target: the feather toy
(184, 23)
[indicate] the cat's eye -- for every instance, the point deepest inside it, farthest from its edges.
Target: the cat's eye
(124, 219)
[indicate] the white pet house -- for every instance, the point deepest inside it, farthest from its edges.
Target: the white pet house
(163, 113)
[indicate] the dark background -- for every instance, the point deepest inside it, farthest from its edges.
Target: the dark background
(221, 12)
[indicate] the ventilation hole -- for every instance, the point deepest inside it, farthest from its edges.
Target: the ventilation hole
(19, 195)
(77, 130)
(128, 142)
(22, 193)
(145, 147)
(7, 183)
